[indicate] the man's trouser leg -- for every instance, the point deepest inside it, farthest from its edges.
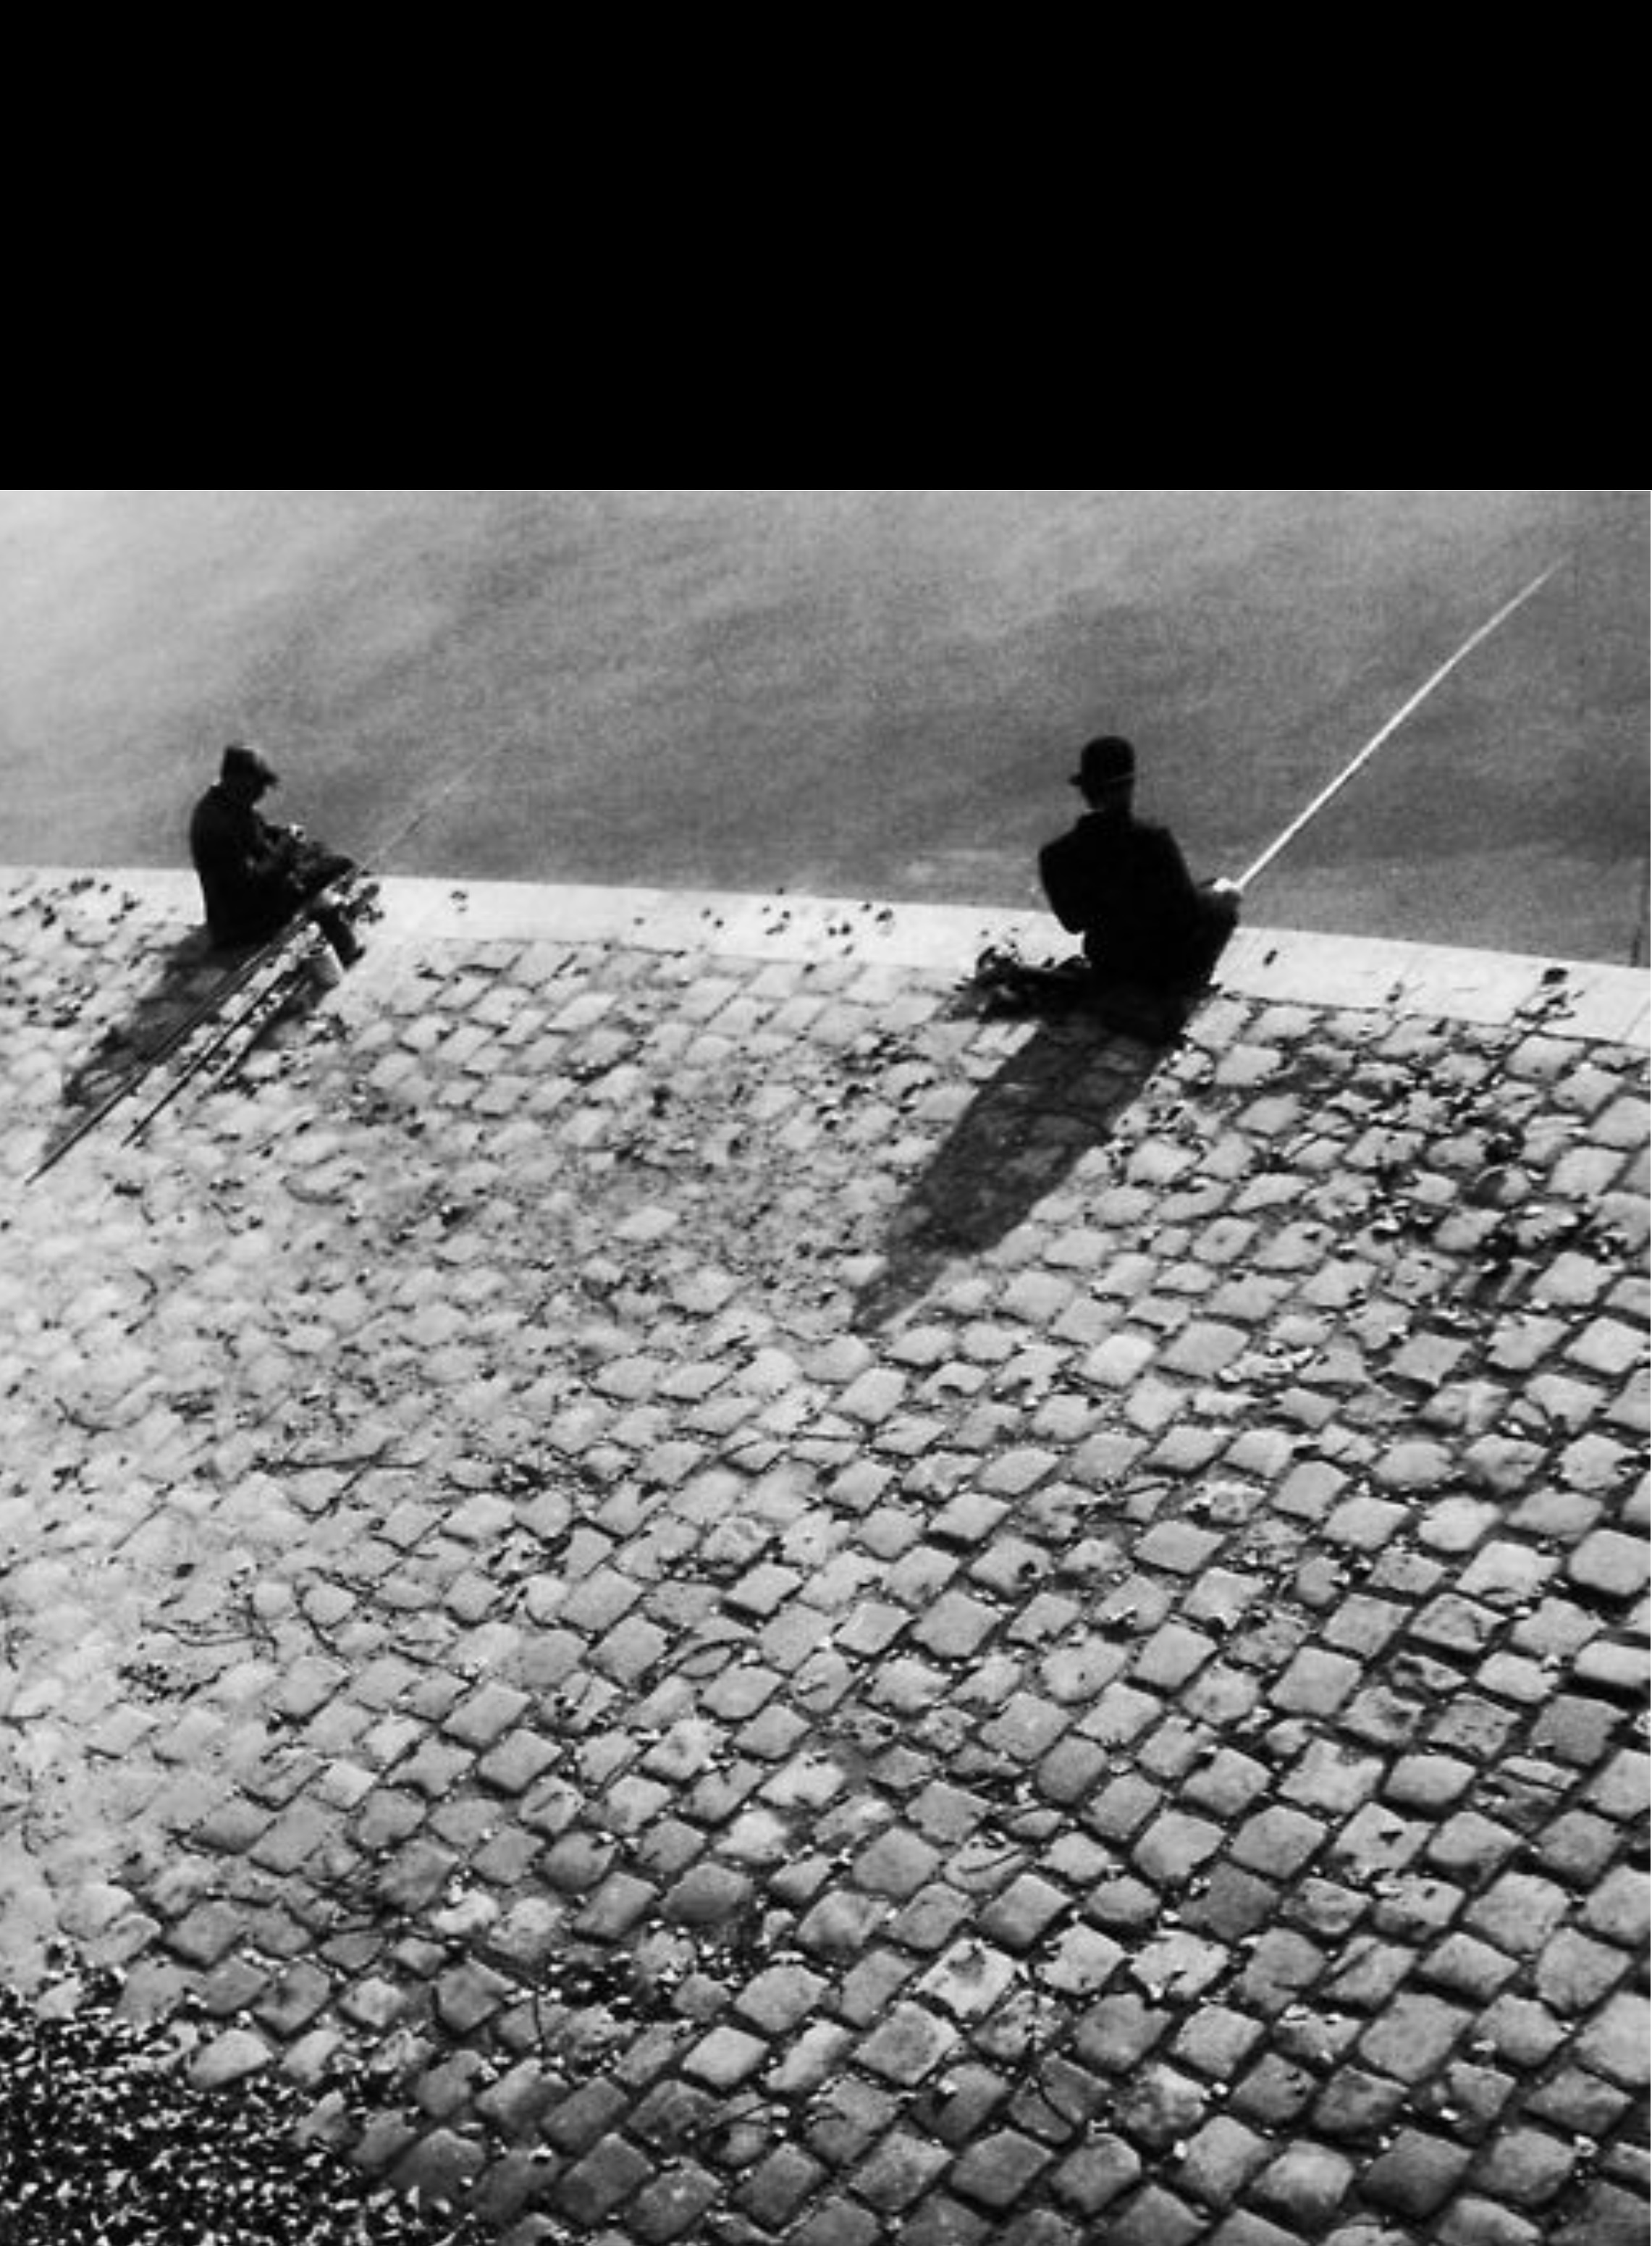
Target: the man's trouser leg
(318, 872)
(333, 922)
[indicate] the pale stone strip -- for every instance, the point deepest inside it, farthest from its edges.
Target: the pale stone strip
(1290, 965)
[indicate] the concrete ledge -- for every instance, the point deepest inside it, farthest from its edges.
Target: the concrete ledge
(1580, 998)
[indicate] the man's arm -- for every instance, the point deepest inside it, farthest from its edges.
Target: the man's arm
(1173, 886)
(270, 850)
(237, 848)
(1068, 899)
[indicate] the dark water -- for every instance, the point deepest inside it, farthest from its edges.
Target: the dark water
(852, 692)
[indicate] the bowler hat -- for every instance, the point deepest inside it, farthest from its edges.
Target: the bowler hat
(244, 764)
(1105, 762)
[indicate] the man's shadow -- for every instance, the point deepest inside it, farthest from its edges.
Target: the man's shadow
(194, 988)
(1056, 1095)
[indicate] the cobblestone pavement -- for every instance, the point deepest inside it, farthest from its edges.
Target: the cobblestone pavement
(827, 1618)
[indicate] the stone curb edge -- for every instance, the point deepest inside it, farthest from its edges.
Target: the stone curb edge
(1583, 999)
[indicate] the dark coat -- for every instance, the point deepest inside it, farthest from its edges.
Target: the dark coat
(246, 868)
(1124, 885)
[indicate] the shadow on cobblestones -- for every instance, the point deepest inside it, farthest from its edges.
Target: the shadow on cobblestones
(1148, 1748)
(186, 974)
(177, 1004)
(1057, 1095)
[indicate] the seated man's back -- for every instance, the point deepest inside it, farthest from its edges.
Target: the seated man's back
(1123, 883)
(245, 885)
(255, 877)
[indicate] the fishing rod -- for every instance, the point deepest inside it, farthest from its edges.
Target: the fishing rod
(421, 812)
(393, 841)
(1255, 871)
(276, 990)
(228, 987)
(270, 950)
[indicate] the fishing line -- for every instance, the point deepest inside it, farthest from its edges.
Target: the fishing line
(1384, 733)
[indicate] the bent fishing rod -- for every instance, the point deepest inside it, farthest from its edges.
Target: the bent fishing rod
(1254, 872)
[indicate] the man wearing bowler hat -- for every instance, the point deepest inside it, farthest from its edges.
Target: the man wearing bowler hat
(1151, 935)
(256, 876)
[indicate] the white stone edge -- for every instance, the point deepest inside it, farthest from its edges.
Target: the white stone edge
(1584, 999)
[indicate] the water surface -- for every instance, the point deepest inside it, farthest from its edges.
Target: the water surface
(848, 691)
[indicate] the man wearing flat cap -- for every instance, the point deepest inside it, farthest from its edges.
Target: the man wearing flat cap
(256, 876)
(1151, 935)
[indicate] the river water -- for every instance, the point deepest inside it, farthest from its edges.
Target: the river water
(851, 693)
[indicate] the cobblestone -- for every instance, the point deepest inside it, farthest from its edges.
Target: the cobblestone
(838, 1614)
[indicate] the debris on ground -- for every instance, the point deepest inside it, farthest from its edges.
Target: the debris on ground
(105, 2140)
